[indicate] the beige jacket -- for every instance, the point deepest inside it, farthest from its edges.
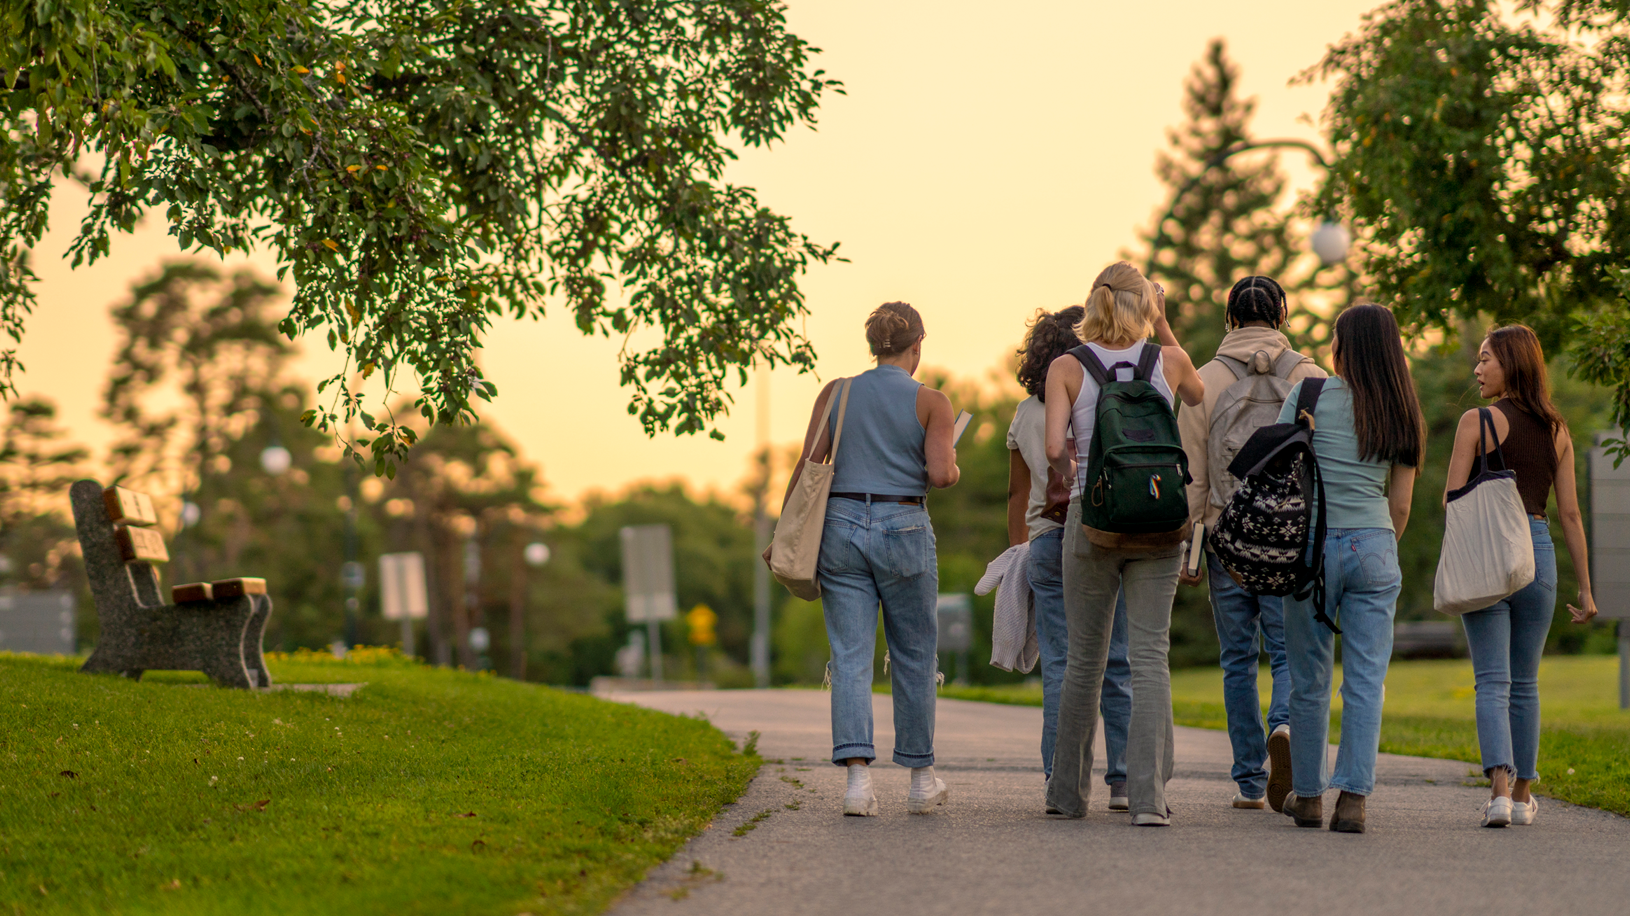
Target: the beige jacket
(1194, 423)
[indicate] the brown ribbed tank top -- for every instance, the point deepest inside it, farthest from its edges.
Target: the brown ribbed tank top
(1531, 452)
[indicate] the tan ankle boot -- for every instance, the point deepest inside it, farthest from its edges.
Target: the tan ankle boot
(1349, 816)
(1306, 812)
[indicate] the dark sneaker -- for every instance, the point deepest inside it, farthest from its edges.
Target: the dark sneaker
(1306, 812)
(1118, 800)
(1349, 816)
(1278, 767)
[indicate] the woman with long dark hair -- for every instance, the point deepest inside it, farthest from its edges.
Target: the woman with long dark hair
(1507, 638)
(1037, 500)
(1369, 437)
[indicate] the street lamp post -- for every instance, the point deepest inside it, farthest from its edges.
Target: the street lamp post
(534, 555)
(1330, 241)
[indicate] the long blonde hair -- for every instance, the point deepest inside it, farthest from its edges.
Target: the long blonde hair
(1120, 307)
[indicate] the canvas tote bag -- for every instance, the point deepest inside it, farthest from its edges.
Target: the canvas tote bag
(796, 547)
(1488, 550)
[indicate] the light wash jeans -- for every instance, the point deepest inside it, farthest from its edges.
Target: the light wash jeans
(1362, 581)
(1506, 641)
(871, 554)
(1092, 578)
(1115, 703)
(1241, 617)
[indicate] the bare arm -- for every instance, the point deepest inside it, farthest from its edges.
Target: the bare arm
(1573, 526)
(1400, 491)
(939, 448)
(1018, 498)
(1064, 378)
(816, 440)
(1460, 461)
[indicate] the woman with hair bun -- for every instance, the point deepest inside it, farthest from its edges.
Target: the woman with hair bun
(1507, 638)
(877, 548)
(1121, 312)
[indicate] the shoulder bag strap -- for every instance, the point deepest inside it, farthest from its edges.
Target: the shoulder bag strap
(1485, 423)
(843, 408)
(1090, 362)
(826, 414)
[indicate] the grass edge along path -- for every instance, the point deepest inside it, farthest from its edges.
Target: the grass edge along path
(1429, 712)
(428, 791)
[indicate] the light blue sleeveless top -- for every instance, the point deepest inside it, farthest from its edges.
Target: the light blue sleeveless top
(882, 448)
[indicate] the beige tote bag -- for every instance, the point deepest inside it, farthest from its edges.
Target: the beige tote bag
(1488, 550)
(796, 548)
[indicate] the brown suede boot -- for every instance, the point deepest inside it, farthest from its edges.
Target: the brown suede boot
(1349, 816)
(1306, 812)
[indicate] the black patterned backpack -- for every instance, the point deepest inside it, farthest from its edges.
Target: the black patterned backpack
(1270, 536)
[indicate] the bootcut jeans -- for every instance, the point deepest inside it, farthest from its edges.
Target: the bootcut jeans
(1241, 618)
(1092, 578)
(1361, 581)
(1506, 640)
(1052, 632)
(871, 554)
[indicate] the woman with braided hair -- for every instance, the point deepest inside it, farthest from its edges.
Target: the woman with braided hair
(877, 548)
(1246, 384)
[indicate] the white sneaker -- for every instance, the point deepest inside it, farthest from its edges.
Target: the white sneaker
(860, 804)
(1151, 820)
(1522, 813)
(1240, 801)
(1497, 813)
(928, 799)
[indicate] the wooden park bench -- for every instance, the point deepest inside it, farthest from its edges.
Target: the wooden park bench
(213, 627)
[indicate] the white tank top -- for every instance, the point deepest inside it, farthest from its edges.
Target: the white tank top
(1084, 414)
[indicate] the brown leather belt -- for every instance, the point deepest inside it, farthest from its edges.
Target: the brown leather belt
(873, 498)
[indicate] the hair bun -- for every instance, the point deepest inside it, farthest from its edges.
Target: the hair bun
(892, 328)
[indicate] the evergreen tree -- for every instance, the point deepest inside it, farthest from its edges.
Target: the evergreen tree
(1224, 219)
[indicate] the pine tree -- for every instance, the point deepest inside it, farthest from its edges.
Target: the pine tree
(1229, 223)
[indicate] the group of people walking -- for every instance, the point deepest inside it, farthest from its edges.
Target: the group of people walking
(1102, 592)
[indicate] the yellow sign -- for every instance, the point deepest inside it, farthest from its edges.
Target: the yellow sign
(701, 619)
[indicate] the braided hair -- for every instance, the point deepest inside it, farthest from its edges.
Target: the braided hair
(1257, 299)
(1051, 335)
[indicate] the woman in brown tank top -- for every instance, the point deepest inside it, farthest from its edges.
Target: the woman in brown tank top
(1507, 639)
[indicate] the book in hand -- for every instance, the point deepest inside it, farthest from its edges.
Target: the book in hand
(1194, 550)
(962, 420)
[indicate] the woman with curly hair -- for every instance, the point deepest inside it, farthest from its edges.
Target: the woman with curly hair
(1037, 499)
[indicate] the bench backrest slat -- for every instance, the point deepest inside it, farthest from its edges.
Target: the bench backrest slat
(141, 545)
(127, 507)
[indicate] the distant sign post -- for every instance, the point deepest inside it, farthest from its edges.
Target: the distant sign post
(955, 613)
(648, 584)
(1610, 553)
(402, 592)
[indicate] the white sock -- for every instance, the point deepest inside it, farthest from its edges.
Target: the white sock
(922, 779)
(860, 779)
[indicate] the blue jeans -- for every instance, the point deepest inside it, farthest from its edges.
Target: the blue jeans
(1362, 581)
(1506, 641)
(1240, 617)
(871, 554)
(1115, 703)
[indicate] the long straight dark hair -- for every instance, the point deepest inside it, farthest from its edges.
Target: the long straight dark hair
(1516, 347)
(1386, 413)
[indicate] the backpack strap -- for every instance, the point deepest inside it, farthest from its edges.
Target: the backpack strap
(1090, 362)
(1287, 363)
(1238, 367)
(1145, 371)
(1308, 400)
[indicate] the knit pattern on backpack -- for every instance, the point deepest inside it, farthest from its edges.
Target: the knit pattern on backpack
(1263, 532)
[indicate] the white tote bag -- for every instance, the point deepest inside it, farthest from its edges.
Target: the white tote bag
(796, 548)
(1488, 549)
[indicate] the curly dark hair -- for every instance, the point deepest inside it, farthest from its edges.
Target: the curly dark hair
(1049, 336)
(1257, 299)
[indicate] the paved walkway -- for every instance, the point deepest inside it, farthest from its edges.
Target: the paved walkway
(991, 849)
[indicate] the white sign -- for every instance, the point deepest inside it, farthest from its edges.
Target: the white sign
(1610, 535)
(401, 586)
(648, 574)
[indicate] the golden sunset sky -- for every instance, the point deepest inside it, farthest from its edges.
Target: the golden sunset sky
(987, 161)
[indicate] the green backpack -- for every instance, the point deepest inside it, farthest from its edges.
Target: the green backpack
(1137, 472)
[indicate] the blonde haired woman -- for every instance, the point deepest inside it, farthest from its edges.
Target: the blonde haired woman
(1122, 311)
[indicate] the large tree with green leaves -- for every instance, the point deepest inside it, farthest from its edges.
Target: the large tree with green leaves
(419, 167)
(1480, 158)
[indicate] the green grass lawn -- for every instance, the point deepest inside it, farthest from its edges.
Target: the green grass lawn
(428, 791)
(1584, 749)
